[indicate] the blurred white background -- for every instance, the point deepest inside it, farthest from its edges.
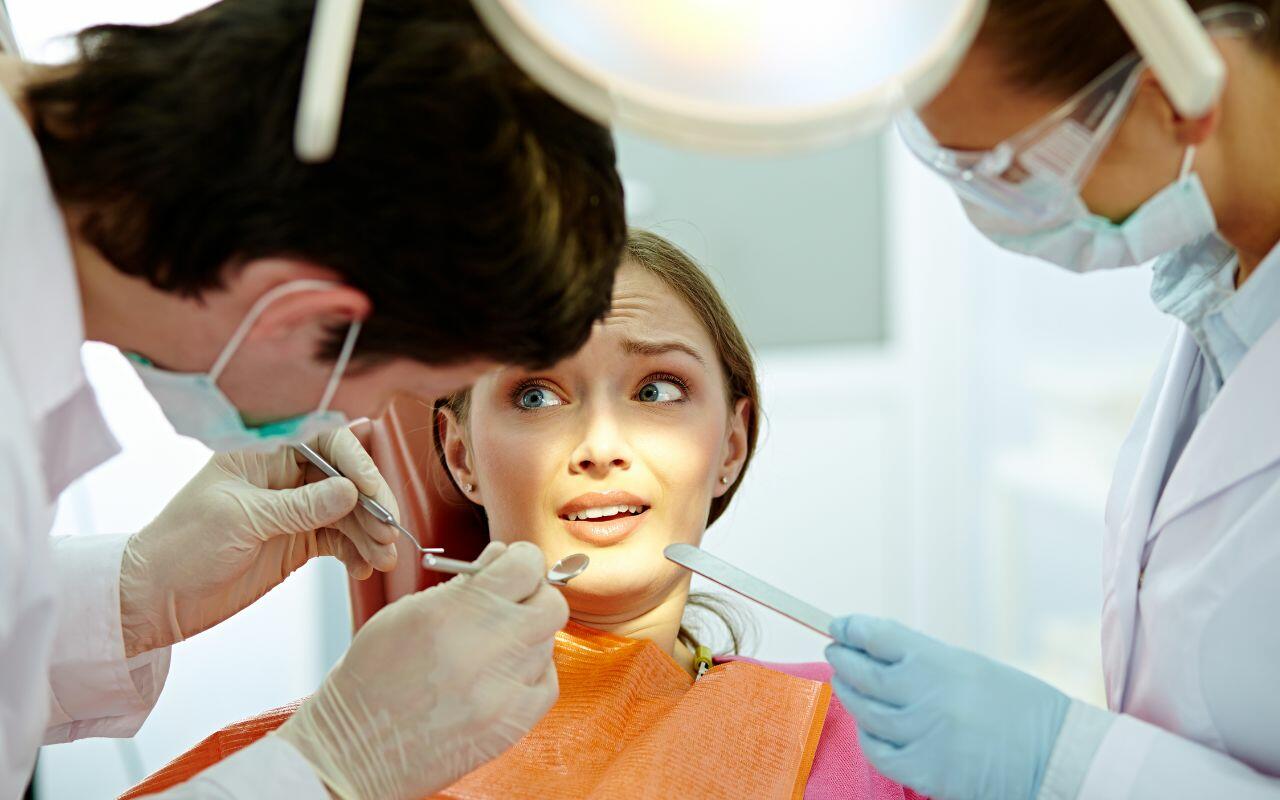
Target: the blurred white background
(942, 421)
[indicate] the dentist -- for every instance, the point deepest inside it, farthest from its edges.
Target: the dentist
(150, 199)
(1062, 145)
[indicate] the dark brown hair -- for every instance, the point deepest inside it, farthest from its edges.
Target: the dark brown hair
(482, 217)
(683, 276)
(1060, 45)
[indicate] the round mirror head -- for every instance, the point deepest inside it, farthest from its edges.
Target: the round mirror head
(568, 568)
(738, 75)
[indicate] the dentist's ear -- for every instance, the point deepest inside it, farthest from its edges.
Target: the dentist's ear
(735, 447)
(457, 455)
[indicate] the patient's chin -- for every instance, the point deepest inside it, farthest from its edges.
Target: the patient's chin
(609, 594)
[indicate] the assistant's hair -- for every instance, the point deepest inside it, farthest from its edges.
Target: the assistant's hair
(1058, 46)
(482, 217)
(680, 273)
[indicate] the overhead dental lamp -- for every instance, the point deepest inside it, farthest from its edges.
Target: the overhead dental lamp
(8, 41)
(738, 75)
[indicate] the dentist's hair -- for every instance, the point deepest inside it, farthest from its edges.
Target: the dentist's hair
(482, 217)
(1060, 46)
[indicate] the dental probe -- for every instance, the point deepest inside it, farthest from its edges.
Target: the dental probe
(749, 586)
(561, 572)
(378, 510)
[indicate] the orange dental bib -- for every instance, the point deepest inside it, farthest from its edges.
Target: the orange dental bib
(629, 723)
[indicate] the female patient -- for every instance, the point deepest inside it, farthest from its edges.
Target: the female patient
(637, 441)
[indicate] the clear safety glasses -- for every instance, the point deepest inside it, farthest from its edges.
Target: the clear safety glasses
(1033, 175)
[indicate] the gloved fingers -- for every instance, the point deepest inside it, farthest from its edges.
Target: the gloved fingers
(366, 533)
(884, 639)
(515, 574)
(343, 450)
(536, 700)
(544, 613)
(869, 676)
(336, 544)
(301, 510)
(490, 554)
(529, 667)
(892, 724)
(347, 454)
(885, 756)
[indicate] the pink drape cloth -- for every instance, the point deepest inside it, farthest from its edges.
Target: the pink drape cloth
(840, 770)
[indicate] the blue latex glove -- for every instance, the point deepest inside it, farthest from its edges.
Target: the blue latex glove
(948, 723)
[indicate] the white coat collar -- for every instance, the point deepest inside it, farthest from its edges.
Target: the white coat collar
(1238, 436)
(41, 327)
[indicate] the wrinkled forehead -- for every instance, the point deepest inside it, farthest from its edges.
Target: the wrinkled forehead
(645, 309)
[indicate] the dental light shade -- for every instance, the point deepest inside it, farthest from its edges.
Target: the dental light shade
(8, 41)
(1180, 53)
(745, 75)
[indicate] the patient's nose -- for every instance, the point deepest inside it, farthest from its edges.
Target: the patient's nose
(603, 448)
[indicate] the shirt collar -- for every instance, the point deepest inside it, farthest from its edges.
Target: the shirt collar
(1197, 285)
(41, 325)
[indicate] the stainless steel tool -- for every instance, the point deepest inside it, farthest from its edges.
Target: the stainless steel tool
(749, 586)
(563, 571)
(378, 510)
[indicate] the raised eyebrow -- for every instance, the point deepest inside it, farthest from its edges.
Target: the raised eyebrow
(647, 348)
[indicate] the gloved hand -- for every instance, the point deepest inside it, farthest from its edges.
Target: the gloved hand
(239, 528)
(949, 723)
(437, 683)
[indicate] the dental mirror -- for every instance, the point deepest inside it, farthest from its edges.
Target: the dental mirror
(568, 568)
(563, 571)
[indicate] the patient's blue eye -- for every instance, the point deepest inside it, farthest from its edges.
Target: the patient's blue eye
(660, 392)
(535, 397)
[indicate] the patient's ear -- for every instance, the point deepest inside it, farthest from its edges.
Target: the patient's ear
(735, 446)
(457, 455)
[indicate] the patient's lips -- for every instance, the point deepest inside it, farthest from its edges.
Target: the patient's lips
(603, 518)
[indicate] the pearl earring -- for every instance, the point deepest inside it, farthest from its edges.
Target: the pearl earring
(724, 479)
(466, 487)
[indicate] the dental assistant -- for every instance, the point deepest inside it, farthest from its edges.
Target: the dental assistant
(150, 199)
(1062, 145)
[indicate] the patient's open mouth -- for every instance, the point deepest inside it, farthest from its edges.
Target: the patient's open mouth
(603, 518)
(605, 513)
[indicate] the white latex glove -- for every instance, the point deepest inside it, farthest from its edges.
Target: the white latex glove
(239, 528)
(437, 683)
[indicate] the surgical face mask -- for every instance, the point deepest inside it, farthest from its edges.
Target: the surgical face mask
(1082, 241)
(196, 407)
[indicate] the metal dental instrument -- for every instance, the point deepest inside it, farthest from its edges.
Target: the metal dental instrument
(749, 586)
(378, 510)
(563, 571)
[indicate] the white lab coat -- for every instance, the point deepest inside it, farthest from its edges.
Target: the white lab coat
(63, 674)
(1191, 611)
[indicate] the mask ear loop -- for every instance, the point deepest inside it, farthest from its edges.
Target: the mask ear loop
(340, 366)
(255, 311)
(1188, 158)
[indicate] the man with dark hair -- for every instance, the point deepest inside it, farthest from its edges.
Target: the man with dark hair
(150, 199)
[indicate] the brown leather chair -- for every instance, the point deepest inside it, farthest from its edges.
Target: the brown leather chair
(402, 445)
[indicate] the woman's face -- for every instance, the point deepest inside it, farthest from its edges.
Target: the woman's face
(615, 452)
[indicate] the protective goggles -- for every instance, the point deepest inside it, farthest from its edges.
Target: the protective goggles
(1034, 174)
